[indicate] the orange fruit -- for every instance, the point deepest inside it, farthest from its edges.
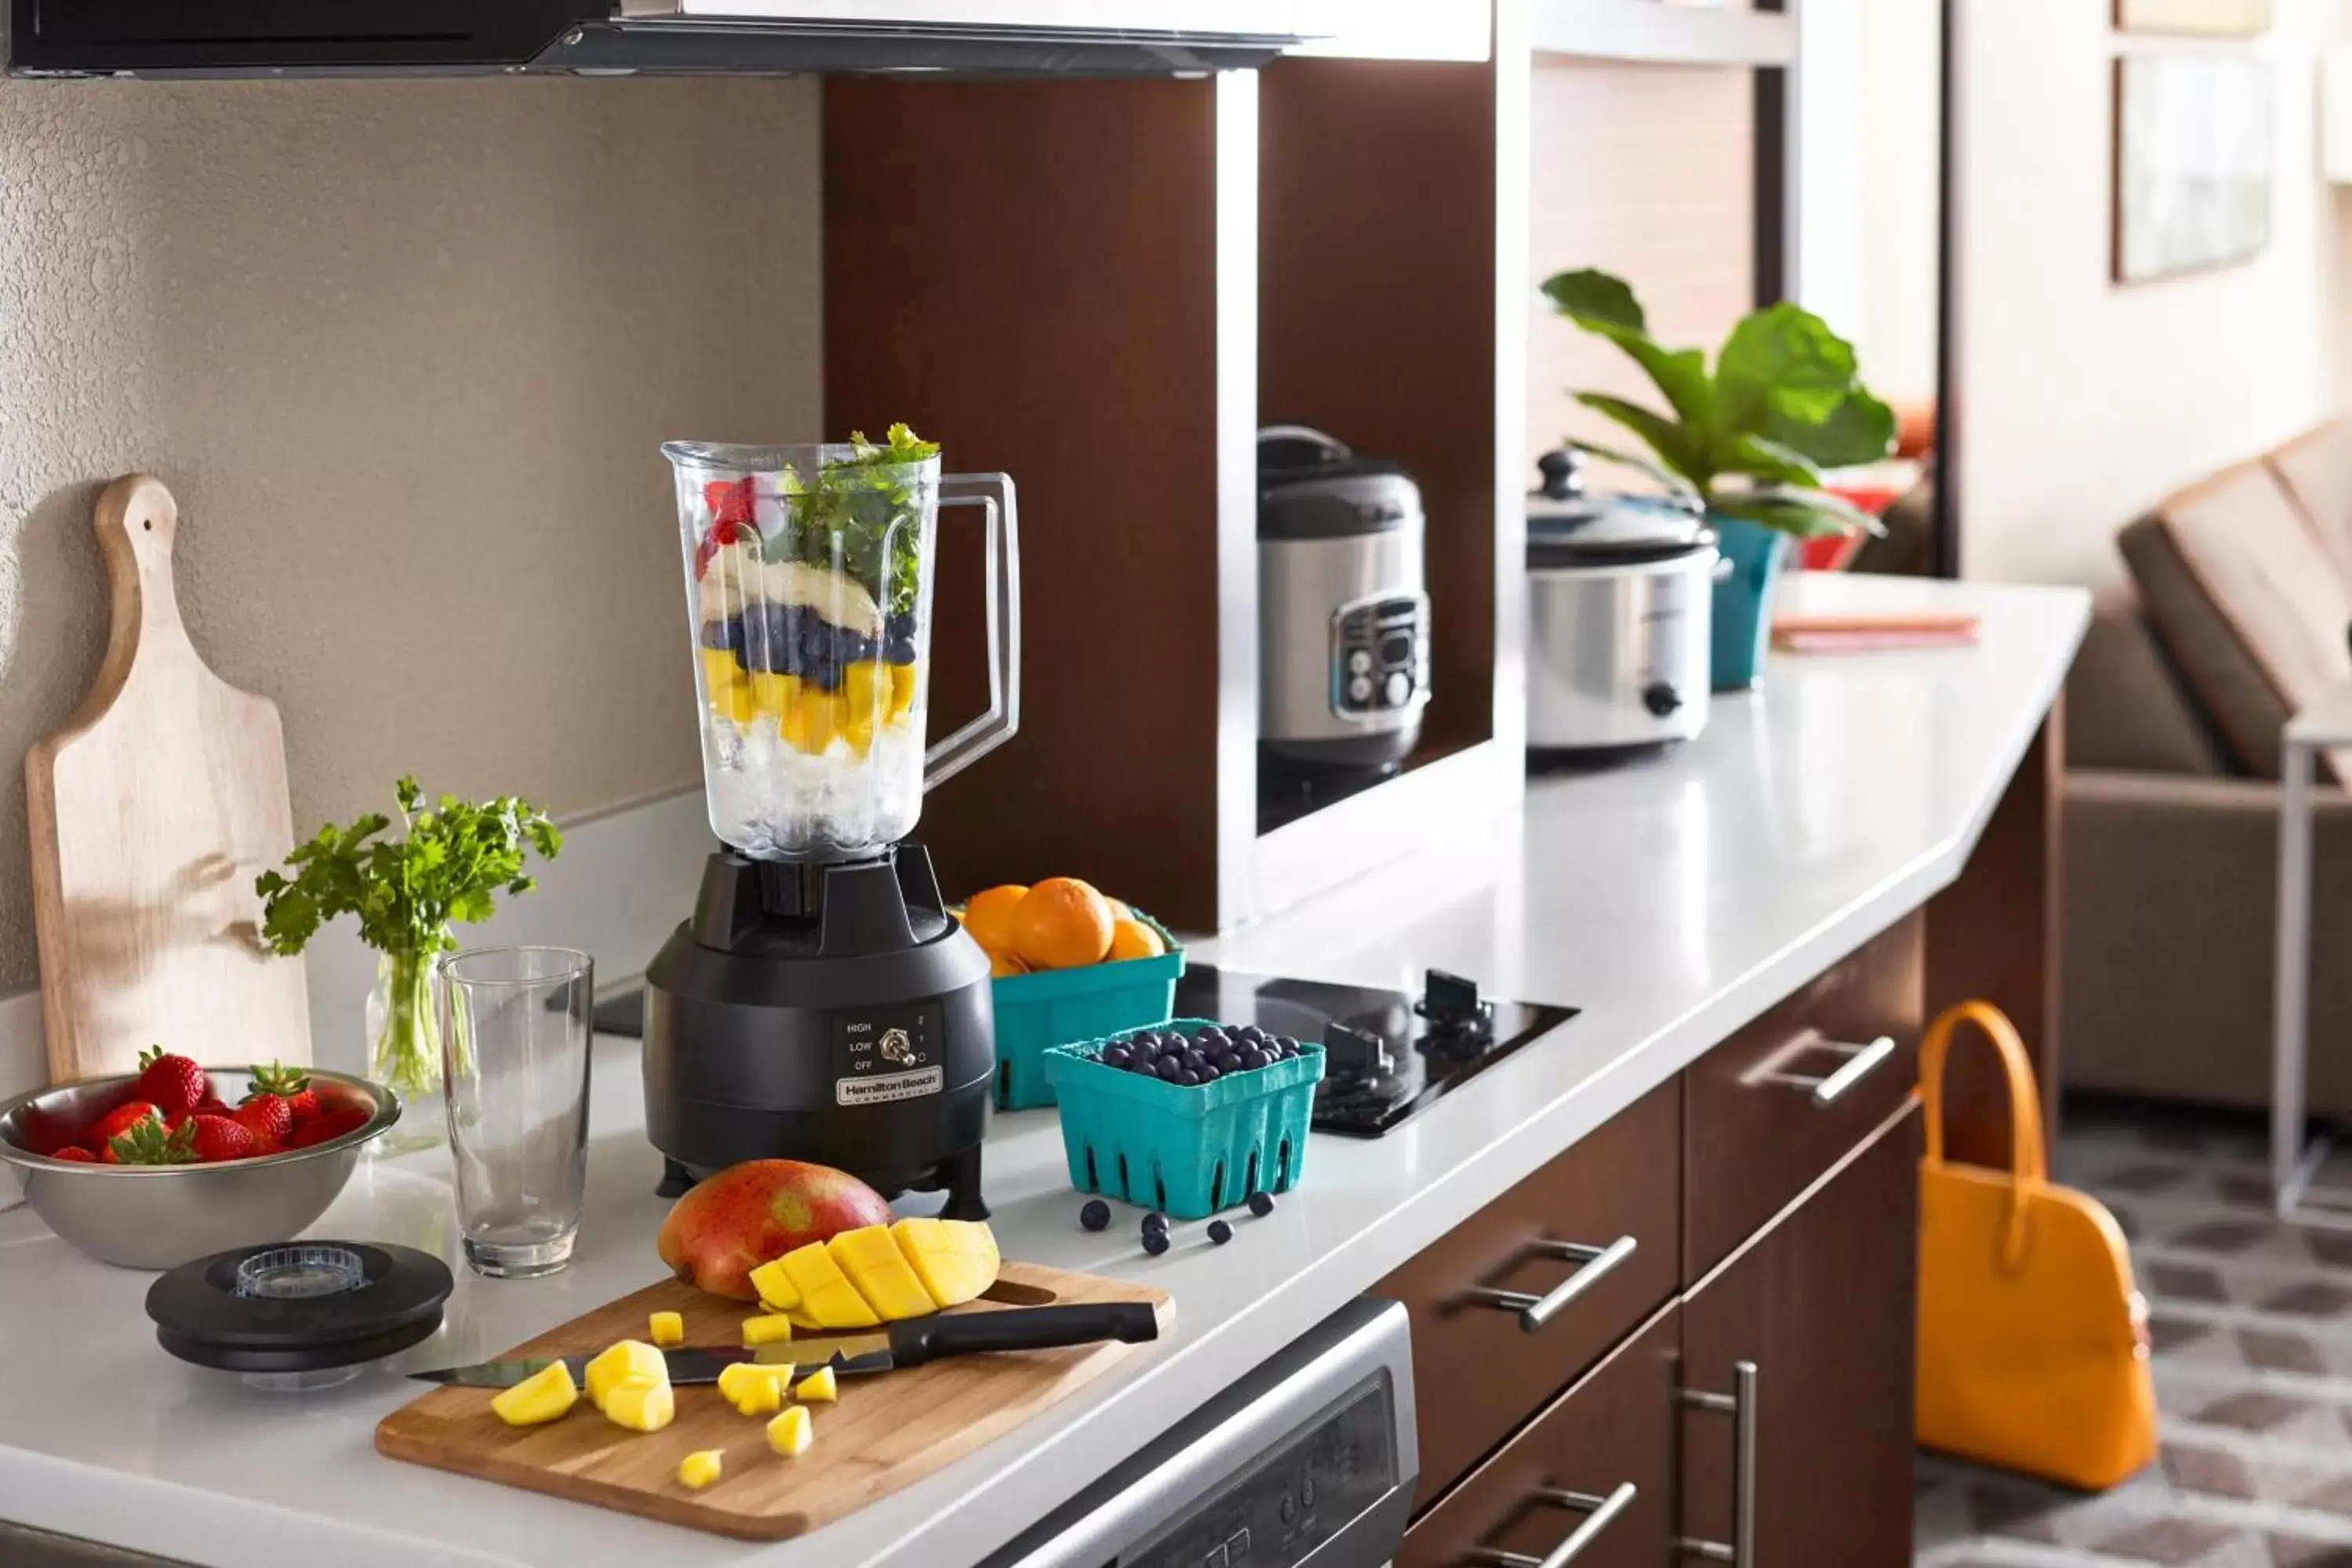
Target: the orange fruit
(1130, 938)
(1062, 923)
(988, 915)
(1118, 910)
(1004, 965)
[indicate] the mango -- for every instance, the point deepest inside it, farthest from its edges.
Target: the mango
(902, 691)
(640, 1404)
(765, 1329)
(818, 1387)
(828, 1300)
(667, 1328)
(628, 1358)
(956, 1259)
(543, 1396)
(736, 1221)
(777, 1292)
(865, 693)
(764, 1397)
(735, 1378)
(774, 695)
(701, 1468)
(811, 722)
(871, 1259)
(719, 670)
(791, 1432)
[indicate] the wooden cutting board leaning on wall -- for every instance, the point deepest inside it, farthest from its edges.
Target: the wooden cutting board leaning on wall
(152, 811)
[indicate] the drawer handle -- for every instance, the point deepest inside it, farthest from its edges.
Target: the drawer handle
(1860, 1061)
(1535, 1312)
(1600, 1511)
(1740, 1406)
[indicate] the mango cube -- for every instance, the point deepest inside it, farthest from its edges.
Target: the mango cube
(791, 1432)
(640, 1404)
(719, 670)
(865, 692)
(871, 1259)
(956, 1259)
(818, 1387)
(739, 1378)
(902, 689)
(777, 1292)
(827, 1298)
(765, 1329)
(701, 1468)
(543, 1396)
(628, 1358)
(764, 1397)
(667, 1328)
(774, 694)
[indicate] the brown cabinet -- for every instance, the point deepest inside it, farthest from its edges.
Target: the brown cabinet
(1602, 1458)
(1503, 1318)
(1822, 1306)
(1780, 1102)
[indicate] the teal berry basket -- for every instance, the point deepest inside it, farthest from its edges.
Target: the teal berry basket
(1187, 1152)
(1060, 1006)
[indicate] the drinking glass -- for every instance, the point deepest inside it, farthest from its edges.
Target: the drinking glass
(514, 1048)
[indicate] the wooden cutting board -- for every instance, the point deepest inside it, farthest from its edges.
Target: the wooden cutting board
(889, 1429)
(151, 812)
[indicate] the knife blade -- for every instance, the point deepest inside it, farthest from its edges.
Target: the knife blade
(906, 1343)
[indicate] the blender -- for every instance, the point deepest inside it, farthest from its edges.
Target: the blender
(820, 1004)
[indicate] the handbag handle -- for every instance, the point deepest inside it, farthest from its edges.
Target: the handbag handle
(2029, 1154)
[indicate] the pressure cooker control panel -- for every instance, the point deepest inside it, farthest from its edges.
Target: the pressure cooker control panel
(1379, 656)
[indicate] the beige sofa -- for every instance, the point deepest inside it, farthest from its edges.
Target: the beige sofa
(2242, 597)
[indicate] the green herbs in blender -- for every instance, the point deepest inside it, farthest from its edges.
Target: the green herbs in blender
(855, 515)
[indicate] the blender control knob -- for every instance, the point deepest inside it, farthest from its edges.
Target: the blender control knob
(1661, 699)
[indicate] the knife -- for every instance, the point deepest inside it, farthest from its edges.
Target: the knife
(908, 1342)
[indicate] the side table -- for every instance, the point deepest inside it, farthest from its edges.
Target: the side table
(2295, 1160)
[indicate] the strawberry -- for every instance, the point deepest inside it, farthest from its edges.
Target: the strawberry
(217, 1138)
(119, 1120)
(174, 1083)
(266, 1117)
(291, 1085)
(328, 1124)
(73, 1152)
(148, 1144)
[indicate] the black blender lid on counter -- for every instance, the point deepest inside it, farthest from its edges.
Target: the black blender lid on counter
(1313, 486)
(292, 1308)
(1569, 528)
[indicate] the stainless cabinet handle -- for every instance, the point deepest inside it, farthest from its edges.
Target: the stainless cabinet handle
(1859, 1062)
(1600, 1511)
(1740, 1406)
(1535, 1312)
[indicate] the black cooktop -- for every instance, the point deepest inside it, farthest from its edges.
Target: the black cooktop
(1387, 1054)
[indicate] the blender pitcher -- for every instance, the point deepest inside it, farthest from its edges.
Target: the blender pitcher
(808, 583)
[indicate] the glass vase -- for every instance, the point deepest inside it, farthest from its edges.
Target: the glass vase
(404, 1047)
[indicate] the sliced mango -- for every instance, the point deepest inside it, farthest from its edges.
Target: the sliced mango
(956, 1259)
(777, 1292)
(865, 693)
(738, 1376)
(719, 669)
(872, 1261)
(667, 1328)
(774, 695)
(811, 722)
(765, 1329)
(628, 1358)
(818, 1387)
(764, 1397)
(791, 1432)
(640, 1404)
(828, 1300)
(543, 1396)
(902, 689)
(701, 1468)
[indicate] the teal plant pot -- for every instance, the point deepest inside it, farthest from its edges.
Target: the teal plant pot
(1741, 623)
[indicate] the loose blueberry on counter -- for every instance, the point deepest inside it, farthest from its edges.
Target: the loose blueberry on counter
(1155, 1242)
(1095, 1215)
(1153, 1221)
(1220, 1232)
(1261, 1204)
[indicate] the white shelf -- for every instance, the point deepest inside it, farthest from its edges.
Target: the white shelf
(1662, 32)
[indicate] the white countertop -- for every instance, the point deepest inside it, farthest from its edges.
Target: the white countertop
(1671, 899)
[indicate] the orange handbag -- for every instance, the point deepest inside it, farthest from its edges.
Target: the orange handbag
(2032, 1341)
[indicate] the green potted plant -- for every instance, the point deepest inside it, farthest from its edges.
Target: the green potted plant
(445, 869)
(1746, 439)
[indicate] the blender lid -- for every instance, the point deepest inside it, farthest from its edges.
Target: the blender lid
(288, 1306)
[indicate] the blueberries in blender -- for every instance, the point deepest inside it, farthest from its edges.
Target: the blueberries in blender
(1155, 1242)
(1261, 1204)
(726, 634)
(851, 646)
(899, 650)
(1153, 1221)
(901, 625)
(1220, 1232)
(1096, 1214)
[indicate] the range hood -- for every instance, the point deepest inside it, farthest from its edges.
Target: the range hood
(384, 37)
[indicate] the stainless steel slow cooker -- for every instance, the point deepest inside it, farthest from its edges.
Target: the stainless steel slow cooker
(1618, 594)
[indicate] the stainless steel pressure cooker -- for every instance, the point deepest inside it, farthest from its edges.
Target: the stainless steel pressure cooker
(1618, 594)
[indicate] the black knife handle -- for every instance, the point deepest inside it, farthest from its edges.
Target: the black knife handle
(920, 1340)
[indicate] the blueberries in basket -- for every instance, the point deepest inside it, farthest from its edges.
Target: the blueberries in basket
(1209, 1074)
(1286, 1046)
(1249, 1034)
(1114, 1056)
(1095, 1215)
(1155, 1242)
(1254, 1058)
(1157, 1221)
(1211, 1037)
(1220, 1232)
(1172, 1068)
(1227, 1061)
(1187, 1078)
(1144, 1062)
(1261, 1204)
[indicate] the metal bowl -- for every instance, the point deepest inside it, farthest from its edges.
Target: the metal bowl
(159, 1217)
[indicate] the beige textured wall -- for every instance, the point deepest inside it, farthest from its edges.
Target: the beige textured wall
(403, 351)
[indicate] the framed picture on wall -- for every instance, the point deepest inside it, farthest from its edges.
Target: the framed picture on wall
(2202, 18)
(2193, 162)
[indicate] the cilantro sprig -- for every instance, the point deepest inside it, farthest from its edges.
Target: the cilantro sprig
(859, 514)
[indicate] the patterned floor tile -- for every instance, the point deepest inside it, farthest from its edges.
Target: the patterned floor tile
(2209, 1471)
(2255, 1410)
(2312, 1298)
(2169, 1541)
(2184, 1282)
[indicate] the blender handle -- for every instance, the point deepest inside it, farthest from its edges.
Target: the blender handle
(994, 494)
